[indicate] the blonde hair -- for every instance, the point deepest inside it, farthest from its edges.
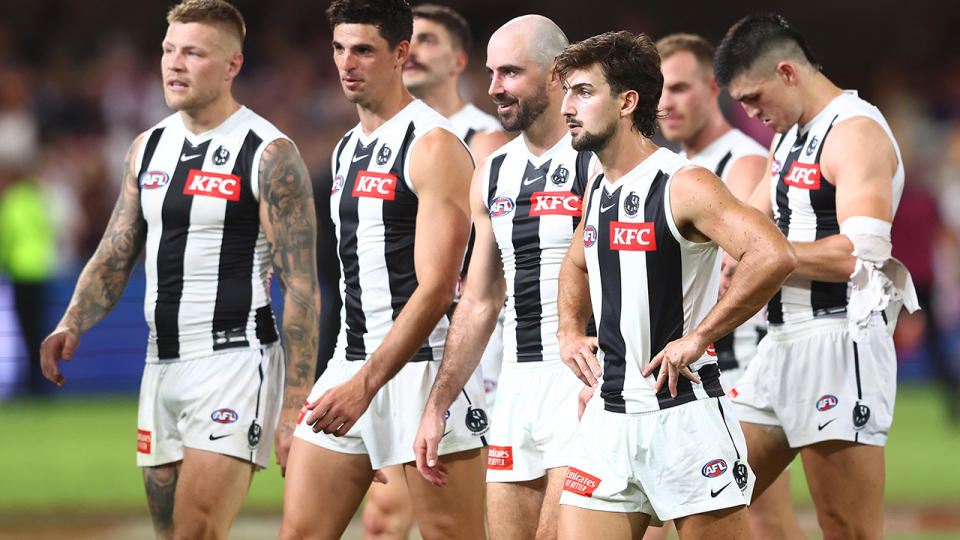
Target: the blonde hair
(216, 12)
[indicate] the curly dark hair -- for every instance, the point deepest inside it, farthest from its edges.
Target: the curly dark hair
(752, 37)
(628, 62)
(393, 18)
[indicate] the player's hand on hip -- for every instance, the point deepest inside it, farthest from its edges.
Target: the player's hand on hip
(339, 408)
(674, 360)
(582, 399)
(58, 346)
(433, 427)
(728, 265)
(579, 353)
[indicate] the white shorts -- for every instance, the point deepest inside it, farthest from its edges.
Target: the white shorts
(490, 362)
(535, 419)
(387, 429)
(811, 379)
(228, 403)
(676, 462)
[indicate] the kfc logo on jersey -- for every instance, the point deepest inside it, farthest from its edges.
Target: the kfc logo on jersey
(375, 185)
(154, 179)
(143, 441)
(501, 206)
(500, 458)
(632, 236)
(804, 176)
(554, 203)
(210, 184)
(714, 468)
(589, 236)
(580, 483)
(224, 416)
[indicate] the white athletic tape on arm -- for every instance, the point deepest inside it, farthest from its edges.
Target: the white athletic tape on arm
(878, 282)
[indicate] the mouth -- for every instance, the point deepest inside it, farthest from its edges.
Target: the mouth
(574, 126)
(410, 67)
(177, 85)
(351, 83)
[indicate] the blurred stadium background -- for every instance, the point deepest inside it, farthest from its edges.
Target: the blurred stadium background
(79, 80)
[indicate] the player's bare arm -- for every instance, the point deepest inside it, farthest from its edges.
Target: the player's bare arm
(289, 222)
(703, 210)
(104, 278)
(483, 144)
(860, 160)
(473, 323)
(577, 349)
(744, 175)
(440, 170)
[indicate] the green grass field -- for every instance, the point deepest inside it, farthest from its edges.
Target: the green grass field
(77, 456)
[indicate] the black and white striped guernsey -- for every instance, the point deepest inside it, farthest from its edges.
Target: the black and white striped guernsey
(648, 285)
(534, 204)
(374, 209)
(470, 120)
(805, 209)
(207, 262)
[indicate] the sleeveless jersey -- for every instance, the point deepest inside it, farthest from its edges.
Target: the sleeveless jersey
(718, 156)
(648, 285)
(207, 261)
(373, 205)
(534, 204)
(804, 205)
(470, 120)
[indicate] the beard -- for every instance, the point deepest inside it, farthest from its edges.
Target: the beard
(528, 110)
(596, 141)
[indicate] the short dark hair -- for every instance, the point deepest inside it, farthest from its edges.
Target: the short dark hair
(752, 37)
(628, 62)
(698, 46)
(454, 23)
(392, 18)
(216, 12)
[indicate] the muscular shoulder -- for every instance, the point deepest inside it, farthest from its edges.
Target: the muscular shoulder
(858, 141)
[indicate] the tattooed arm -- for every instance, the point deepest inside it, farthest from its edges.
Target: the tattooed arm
(105, 276)
(288, 218)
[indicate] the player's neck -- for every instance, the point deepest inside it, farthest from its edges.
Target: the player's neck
(444, 98)
(209, 117)
(625, 150)
(374, 115)
(816, 95)
(546, 131)
(715, 128)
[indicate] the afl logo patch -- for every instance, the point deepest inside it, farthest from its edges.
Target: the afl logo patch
(631, 205)
(224, 416)
(714, 468)
(383, 155)
(221, 156)
(589, 236)
(776, 167)
(560, 175)
(154, 179)
(337, 184)
(501, 206)
(827, 402)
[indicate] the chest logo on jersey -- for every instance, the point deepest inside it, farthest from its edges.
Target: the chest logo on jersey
(154, 179)
(560, 176)
(775, 168)
(812, 146)
(501, 206)
(554, 203)
(589, 236)
(803, 176)
(375, 185)
(632, 236)
(337, 184)
(221, 156)
(211, 184)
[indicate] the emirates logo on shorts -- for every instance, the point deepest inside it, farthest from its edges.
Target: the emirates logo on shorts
(500, 458)
(303, 412)
(580, 483)
(143, 441)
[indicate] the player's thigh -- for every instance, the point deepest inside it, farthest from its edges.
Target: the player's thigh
(512, 508)
(846, 482)
(767, 453)
(577, 523)
(322, 490)
(771, 514)
(658, 533)
(550, 509)
(726, 523)
(210, 490)
(388, 512)
(456, 509)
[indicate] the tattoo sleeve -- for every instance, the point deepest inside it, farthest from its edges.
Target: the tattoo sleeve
(161, 485)
(289, 221)
(104, 278)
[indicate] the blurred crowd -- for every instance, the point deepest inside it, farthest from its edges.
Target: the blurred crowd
(78, 81)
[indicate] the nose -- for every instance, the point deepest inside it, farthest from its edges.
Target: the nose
(496, 85)
(665, 103)
(751, 111)
(173, 61)
(566, 106)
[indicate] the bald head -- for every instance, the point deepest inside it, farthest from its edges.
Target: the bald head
(535, 37)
